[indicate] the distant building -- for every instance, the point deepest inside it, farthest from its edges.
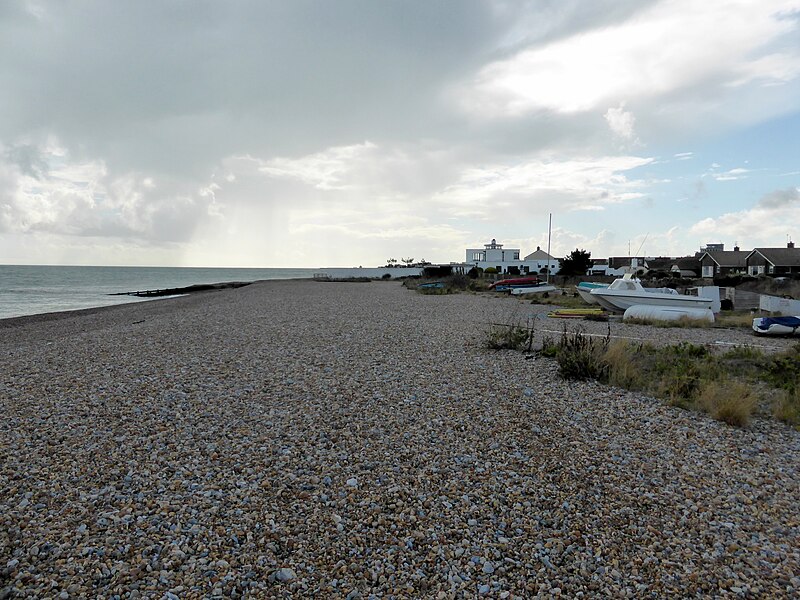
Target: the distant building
(540, 261)
(507, 260)
(715, 263)
(774, 261)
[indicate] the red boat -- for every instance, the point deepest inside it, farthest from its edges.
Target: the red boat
(518, 281)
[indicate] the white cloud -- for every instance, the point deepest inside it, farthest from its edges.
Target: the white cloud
(331, 169)
(652, 53)
(765, 224)
(579, 184)
(731, 175)
(621, 122)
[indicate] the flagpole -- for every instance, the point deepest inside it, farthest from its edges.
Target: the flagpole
(549, 230)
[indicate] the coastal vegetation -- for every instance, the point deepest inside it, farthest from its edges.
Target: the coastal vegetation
(731, 386)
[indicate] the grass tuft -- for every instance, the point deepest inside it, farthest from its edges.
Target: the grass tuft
(787, 407)
(732, 402)
(510, 337)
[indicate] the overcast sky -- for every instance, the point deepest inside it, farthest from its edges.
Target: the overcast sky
(341, 133)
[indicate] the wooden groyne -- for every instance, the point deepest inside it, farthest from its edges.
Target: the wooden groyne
(202, 287)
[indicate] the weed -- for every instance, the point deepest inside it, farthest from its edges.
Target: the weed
(623, 370)
(580, 356)
(682, 322)
(782, 370)
(787, 407)
(510, 337)
(743, 353)
(731, 402)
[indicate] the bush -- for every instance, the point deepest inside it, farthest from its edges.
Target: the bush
(580, 356)
(731, 402)
(510, 337)
(623, 370)
(782, 370)
(490, 271)
(787, 407)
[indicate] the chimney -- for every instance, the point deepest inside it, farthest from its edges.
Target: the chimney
(790, 245)
(538, 248)
(736, 248)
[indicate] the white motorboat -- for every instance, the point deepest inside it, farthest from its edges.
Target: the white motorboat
(627, 292)
(776, 325)
(584, 289)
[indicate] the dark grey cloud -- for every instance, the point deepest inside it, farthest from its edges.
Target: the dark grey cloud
(780, 198)
(181, 83)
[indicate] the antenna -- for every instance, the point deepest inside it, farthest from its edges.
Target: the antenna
(642, 244)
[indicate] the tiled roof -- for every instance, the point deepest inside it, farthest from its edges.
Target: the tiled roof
(781, 257)
(729, 258)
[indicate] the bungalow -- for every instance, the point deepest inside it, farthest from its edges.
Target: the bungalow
(616, 266)
(774, 261)
(714, 263)
(507, 260)
(540, 261)
(684, 266)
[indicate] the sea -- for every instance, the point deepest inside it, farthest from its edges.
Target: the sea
(31, 290)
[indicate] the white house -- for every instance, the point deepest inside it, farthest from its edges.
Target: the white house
(507, 260)
(536, 261)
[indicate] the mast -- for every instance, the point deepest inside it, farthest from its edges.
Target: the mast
(549, 230)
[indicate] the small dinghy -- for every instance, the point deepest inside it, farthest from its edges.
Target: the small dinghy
(776, 325)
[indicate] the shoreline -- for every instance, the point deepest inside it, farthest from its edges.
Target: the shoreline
(290, 438)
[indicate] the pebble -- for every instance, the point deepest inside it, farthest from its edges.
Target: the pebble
(202, 451)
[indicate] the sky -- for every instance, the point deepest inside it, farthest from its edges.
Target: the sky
(315, 133)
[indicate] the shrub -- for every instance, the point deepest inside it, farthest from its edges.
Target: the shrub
(731, 402)
(580, 356)
(782, 370)
(510, 337)
(623, 370)
(787, 407)
(490, 271)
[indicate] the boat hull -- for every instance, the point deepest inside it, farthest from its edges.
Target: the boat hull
(532, 289)
(649, 312)
(620, 301)
(776, 325)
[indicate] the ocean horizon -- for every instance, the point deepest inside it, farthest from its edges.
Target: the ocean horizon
(36, 289)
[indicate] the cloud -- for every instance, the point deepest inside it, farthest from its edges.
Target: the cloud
(621, 122)
(652, 53)
(780, 198)
(576, 184)
(766, 224)
(48, 191)
(731, 175)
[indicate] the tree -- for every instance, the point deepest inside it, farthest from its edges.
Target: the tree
(576, 263)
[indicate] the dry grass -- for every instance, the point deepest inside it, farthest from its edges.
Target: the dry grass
(731, 402)
(787, 407)
(737, 319)
(622, 371)
(682, 322)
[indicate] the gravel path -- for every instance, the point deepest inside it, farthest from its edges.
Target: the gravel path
(336, 440)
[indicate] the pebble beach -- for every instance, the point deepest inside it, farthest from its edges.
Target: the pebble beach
(299, 439)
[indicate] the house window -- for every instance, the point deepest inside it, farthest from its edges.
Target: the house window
(479, 256)
(708, 271)
(516, 255)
